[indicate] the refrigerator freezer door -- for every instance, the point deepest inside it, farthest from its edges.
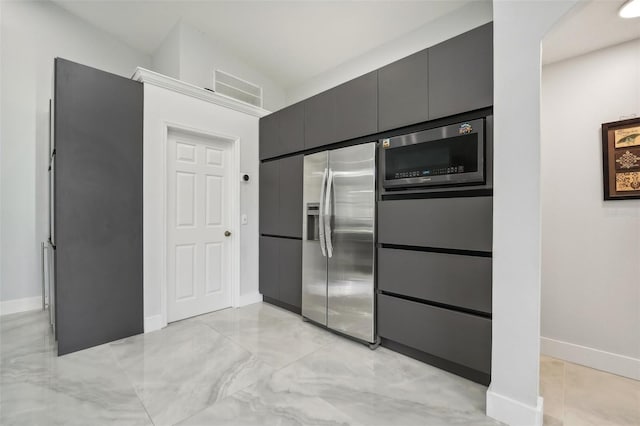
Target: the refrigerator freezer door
(351, 267)
(314, 260)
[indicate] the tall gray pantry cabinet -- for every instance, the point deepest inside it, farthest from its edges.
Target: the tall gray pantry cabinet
(434, 287)
(97, 206)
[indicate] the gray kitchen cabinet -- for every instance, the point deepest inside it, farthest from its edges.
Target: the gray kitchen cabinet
(451, 279)
(464, 223)
(269, 197)
(290, 271)
(319, 120)
(461, 73)
(282, 132)
(268, 128)
(403, 90)
(345, 112)
(291, 129)
(281, 271)
(457, 337)
(357, 107)
(97, 206)
(269, 258)
(281, 197)
(290, 188)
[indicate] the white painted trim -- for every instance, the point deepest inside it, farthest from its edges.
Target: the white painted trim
(249, 299)
(153, 323)
(151, 77)
(235, 211)
(595, 358)
(236, 225)
(512, 412)
(20, 305)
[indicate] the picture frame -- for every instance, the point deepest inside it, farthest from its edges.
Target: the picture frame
(621, 159)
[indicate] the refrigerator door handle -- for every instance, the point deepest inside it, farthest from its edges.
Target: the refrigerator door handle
(321, 214)
(327, 215)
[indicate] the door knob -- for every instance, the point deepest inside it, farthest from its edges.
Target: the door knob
(227, 233)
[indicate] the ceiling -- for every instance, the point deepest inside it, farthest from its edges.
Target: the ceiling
(590, 26)
(288, 41)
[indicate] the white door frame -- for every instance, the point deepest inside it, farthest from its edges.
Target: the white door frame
(235, 210)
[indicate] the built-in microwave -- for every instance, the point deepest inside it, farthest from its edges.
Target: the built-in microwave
(444, 156)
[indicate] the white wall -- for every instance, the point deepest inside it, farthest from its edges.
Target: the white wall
(518, 30)
(166, 58)
(199, 55)
(162, 107)
(591, 247)
(464, 19)
(32, 34)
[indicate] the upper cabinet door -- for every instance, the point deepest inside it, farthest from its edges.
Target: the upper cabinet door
(461, 73)
(357, 107)
(268, 136)
(291, 129)
(290, 189)
(319, 120)
(269, 197)
(282, 132)
(403, 87)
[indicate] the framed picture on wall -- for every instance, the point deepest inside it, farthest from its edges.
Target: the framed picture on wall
(621, 159)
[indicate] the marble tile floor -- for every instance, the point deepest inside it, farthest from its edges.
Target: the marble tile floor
(257, 365)
(575, 395)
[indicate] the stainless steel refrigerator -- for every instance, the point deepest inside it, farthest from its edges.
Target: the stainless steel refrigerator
(338, 247)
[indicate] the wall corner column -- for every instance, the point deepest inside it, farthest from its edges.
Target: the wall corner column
(519, 27)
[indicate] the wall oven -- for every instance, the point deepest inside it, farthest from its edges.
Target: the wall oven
(452, 155)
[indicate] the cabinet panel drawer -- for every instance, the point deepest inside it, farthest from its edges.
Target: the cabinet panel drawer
(461, 73)
(450, 223)
(268, 145)
(403, 92)
(357, 107)
(463, 281)
(290, 271)
(461, 338)
(268, 264)
(291, 129)
(290, 191)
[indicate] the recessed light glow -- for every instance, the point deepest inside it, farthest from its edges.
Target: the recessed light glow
(631, 9)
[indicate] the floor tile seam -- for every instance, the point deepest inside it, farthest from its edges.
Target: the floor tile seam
(243, 347)
(381, 396)
(222, 332)
(132, 384)
(298, 359)
(353, 421)
(201, 321)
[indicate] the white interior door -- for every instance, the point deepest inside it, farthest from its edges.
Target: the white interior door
(199, 206)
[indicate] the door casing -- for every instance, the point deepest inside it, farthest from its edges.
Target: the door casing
(235, 210)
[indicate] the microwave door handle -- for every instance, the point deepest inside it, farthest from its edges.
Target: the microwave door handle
(327, 215)
(321, 214)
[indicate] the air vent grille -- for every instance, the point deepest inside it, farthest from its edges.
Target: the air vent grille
(234, 87)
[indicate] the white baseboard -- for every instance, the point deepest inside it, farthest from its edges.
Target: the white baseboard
(20, 305)
(153, 323)
(601, 360)
(512, 412)
(249, 299)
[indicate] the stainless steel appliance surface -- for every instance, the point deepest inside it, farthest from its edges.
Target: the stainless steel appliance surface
(443, 156)
(338, 249)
